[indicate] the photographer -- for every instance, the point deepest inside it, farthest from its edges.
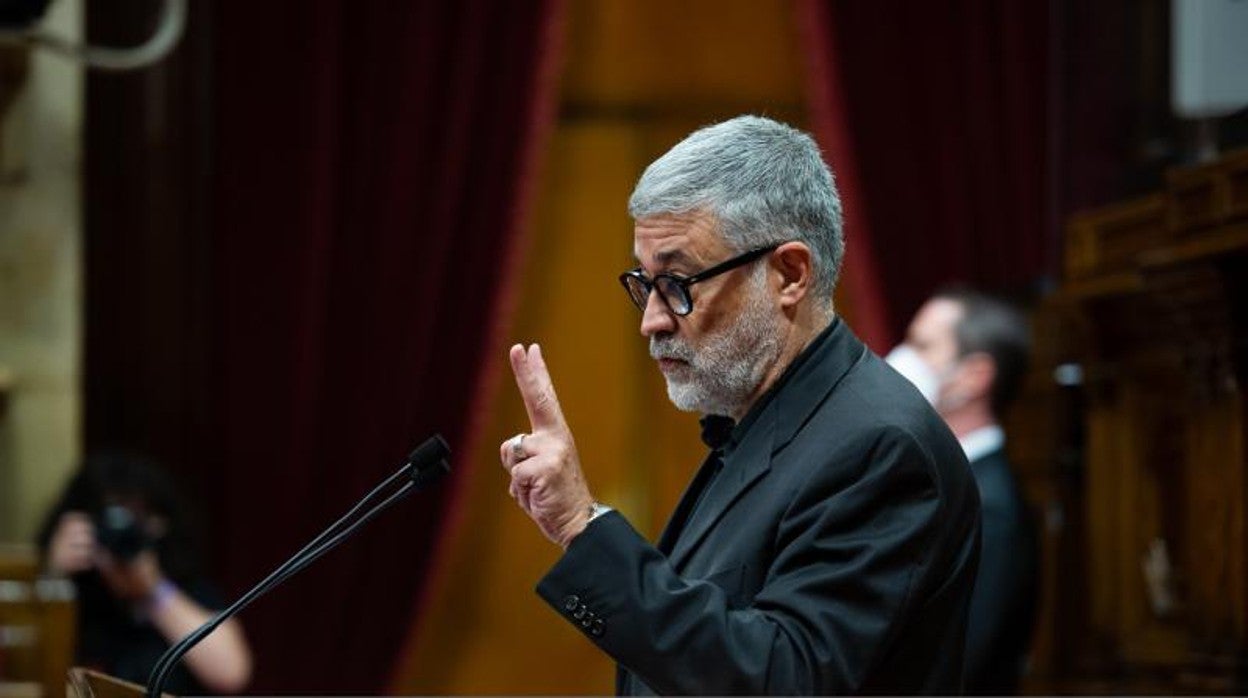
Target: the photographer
(122, 533)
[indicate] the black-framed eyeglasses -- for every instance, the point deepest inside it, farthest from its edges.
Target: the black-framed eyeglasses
(674, 289)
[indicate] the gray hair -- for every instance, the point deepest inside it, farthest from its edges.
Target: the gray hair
(997, 328)
(763, 181)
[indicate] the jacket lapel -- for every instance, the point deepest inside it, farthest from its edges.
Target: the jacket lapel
(680, 517)
(748, 462)
(815, 381)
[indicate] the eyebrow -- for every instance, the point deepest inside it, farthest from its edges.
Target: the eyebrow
(668, 257)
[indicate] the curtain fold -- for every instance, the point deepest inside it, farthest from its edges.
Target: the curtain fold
(946, 106)
(372, 171)
(860, 270)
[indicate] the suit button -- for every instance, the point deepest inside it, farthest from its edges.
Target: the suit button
(596, 628)
(587, 621)
(580, 613)
(571, 602)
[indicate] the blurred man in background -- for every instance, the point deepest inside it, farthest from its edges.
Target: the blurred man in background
(967, 353)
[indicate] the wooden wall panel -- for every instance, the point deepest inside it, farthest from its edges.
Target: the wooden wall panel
(1159, 287)
(657, 58)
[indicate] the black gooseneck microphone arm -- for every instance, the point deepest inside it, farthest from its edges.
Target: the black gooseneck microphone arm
(425, 465)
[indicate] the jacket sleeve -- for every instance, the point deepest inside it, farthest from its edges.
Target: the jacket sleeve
(845, 569)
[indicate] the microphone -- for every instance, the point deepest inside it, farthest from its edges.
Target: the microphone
(425, 465)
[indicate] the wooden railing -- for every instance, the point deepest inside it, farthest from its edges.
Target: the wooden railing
(37, 626)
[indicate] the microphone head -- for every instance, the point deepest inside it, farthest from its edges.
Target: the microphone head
(428, 461)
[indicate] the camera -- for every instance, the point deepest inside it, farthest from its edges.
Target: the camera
(120, 532)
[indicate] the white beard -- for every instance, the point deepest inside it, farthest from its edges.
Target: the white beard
(722, 374)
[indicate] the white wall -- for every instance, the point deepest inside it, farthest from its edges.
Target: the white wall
(40, 282)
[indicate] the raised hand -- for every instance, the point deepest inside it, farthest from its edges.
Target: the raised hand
(72, 547)
(546, 477)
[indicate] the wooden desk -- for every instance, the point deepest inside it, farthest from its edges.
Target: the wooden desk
(87, 683)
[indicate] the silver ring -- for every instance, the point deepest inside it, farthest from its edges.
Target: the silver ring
(517, 447)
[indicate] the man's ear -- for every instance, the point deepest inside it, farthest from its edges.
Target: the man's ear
(978, 371)
(794, 265)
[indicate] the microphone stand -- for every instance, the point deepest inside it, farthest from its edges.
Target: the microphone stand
(424, 466)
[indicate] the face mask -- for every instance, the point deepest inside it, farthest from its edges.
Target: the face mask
(906, 361)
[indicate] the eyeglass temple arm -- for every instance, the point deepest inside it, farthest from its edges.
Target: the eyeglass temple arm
(729, 264)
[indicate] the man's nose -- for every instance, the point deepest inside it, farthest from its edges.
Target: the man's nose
(657, 317)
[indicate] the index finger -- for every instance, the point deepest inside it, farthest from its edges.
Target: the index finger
(536, 388)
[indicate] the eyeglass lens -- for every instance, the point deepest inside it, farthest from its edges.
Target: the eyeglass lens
(670, 291)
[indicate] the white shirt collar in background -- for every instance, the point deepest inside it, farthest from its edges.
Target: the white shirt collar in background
(982, 441)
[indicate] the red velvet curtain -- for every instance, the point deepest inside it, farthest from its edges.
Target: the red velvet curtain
(309, 217)
(948, 109)
(860, 270)
(373, 161)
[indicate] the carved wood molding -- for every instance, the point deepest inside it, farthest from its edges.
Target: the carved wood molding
(1202, 213)
(1166, 273)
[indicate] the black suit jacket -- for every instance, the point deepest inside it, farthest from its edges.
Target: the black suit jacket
(1003, 605)
(835, 552)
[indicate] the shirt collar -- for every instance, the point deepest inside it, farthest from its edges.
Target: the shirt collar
(982, 441)
(716, 430)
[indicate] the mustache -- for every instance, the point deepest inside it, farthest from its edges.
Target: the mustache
(670, 348)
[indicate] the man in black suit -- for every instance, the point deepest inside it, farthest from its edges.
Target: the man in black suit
(830, 540)
(967, 352)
